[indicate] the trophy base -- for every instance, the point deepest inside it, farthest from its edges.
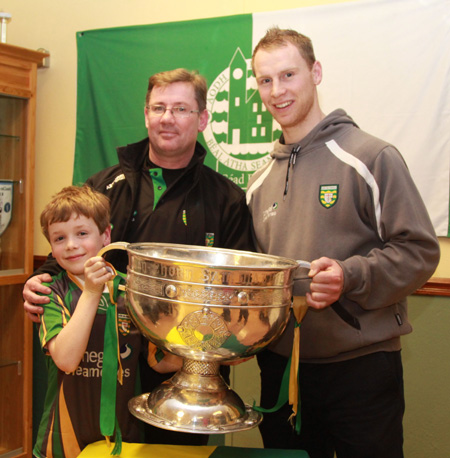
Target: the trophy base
(194, 403)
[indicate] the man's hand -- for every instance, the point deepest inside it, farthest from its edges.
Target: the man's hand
(32, 300)
(327, 283)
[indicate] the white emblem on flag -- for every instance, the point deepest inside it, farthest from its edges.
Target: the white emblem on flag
(240, 131)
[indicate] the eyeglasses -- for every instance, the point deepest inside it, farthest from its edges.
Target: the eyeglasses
(178, 111)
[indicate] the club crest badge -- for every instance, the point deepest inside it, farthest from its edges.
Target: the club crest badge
(124, 323)
(6, 204)
(328, 195)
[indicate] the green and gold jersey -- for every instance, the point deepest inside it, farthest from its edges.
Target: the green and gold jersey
(71, 418)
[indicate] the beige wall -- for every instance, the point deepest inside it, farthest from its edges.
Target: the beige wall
(52, 24)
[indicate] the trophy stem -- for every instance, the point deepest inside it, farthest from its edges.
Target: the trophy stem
(192, 366)
(196, 400)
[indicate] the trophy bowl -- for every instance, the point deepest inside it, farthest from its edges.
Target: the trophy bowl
(209, 306)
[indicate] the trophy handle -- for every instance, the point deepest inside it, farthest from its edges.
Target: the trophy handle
(305, 264)
(113, 246)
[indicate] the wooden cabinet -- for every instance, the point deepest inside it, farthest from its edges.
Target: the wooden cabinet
(18, 73)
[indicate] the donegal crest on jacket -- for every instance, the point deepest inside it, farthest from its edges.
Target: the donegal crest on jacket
(328, 195)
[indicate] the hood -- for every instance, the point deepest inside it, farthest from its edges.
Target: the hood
(323, 131)
(317, 137)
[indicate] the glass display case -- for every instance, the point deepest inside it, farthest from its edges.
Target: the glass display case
(13, 164)
(18, 72)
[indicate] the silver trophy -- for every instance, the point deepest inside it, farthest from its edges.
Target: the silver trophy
(209, 306)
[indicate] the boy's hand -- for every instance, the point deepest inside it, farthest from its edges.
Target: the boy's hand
(96, 274)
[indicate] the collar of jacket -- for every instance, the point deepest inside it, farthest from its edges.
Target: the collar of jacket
(323, 131)
(132, 156)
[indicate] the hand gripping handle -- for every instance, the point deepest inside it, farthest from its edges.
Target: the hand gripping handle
(113, 246)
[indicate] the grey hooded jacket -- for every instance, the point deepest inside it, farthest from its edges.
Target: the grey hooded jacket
(348, 196)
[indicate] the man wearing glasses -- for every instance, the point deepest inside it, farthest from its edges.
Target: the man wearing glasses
(160, 191)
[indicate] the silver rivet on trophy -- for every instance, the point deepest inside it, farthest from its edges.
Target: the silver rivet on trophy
(171, 291)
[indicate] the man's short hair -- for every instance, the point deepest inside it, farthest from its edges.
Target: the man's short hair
(83, 201)
(277, 38)
(180, 75)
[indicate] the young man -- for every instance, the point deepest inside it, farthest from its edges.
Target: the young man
(160, 191)
(92, 364)
(346, 201)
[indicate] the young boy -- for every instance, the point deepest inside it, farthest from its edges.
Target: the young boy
(93, 346)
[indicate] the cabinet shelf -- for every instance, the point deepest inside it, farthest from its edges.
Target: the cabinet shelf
(6, 453)
(9, 137)
(10, 362)
(10, 272)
